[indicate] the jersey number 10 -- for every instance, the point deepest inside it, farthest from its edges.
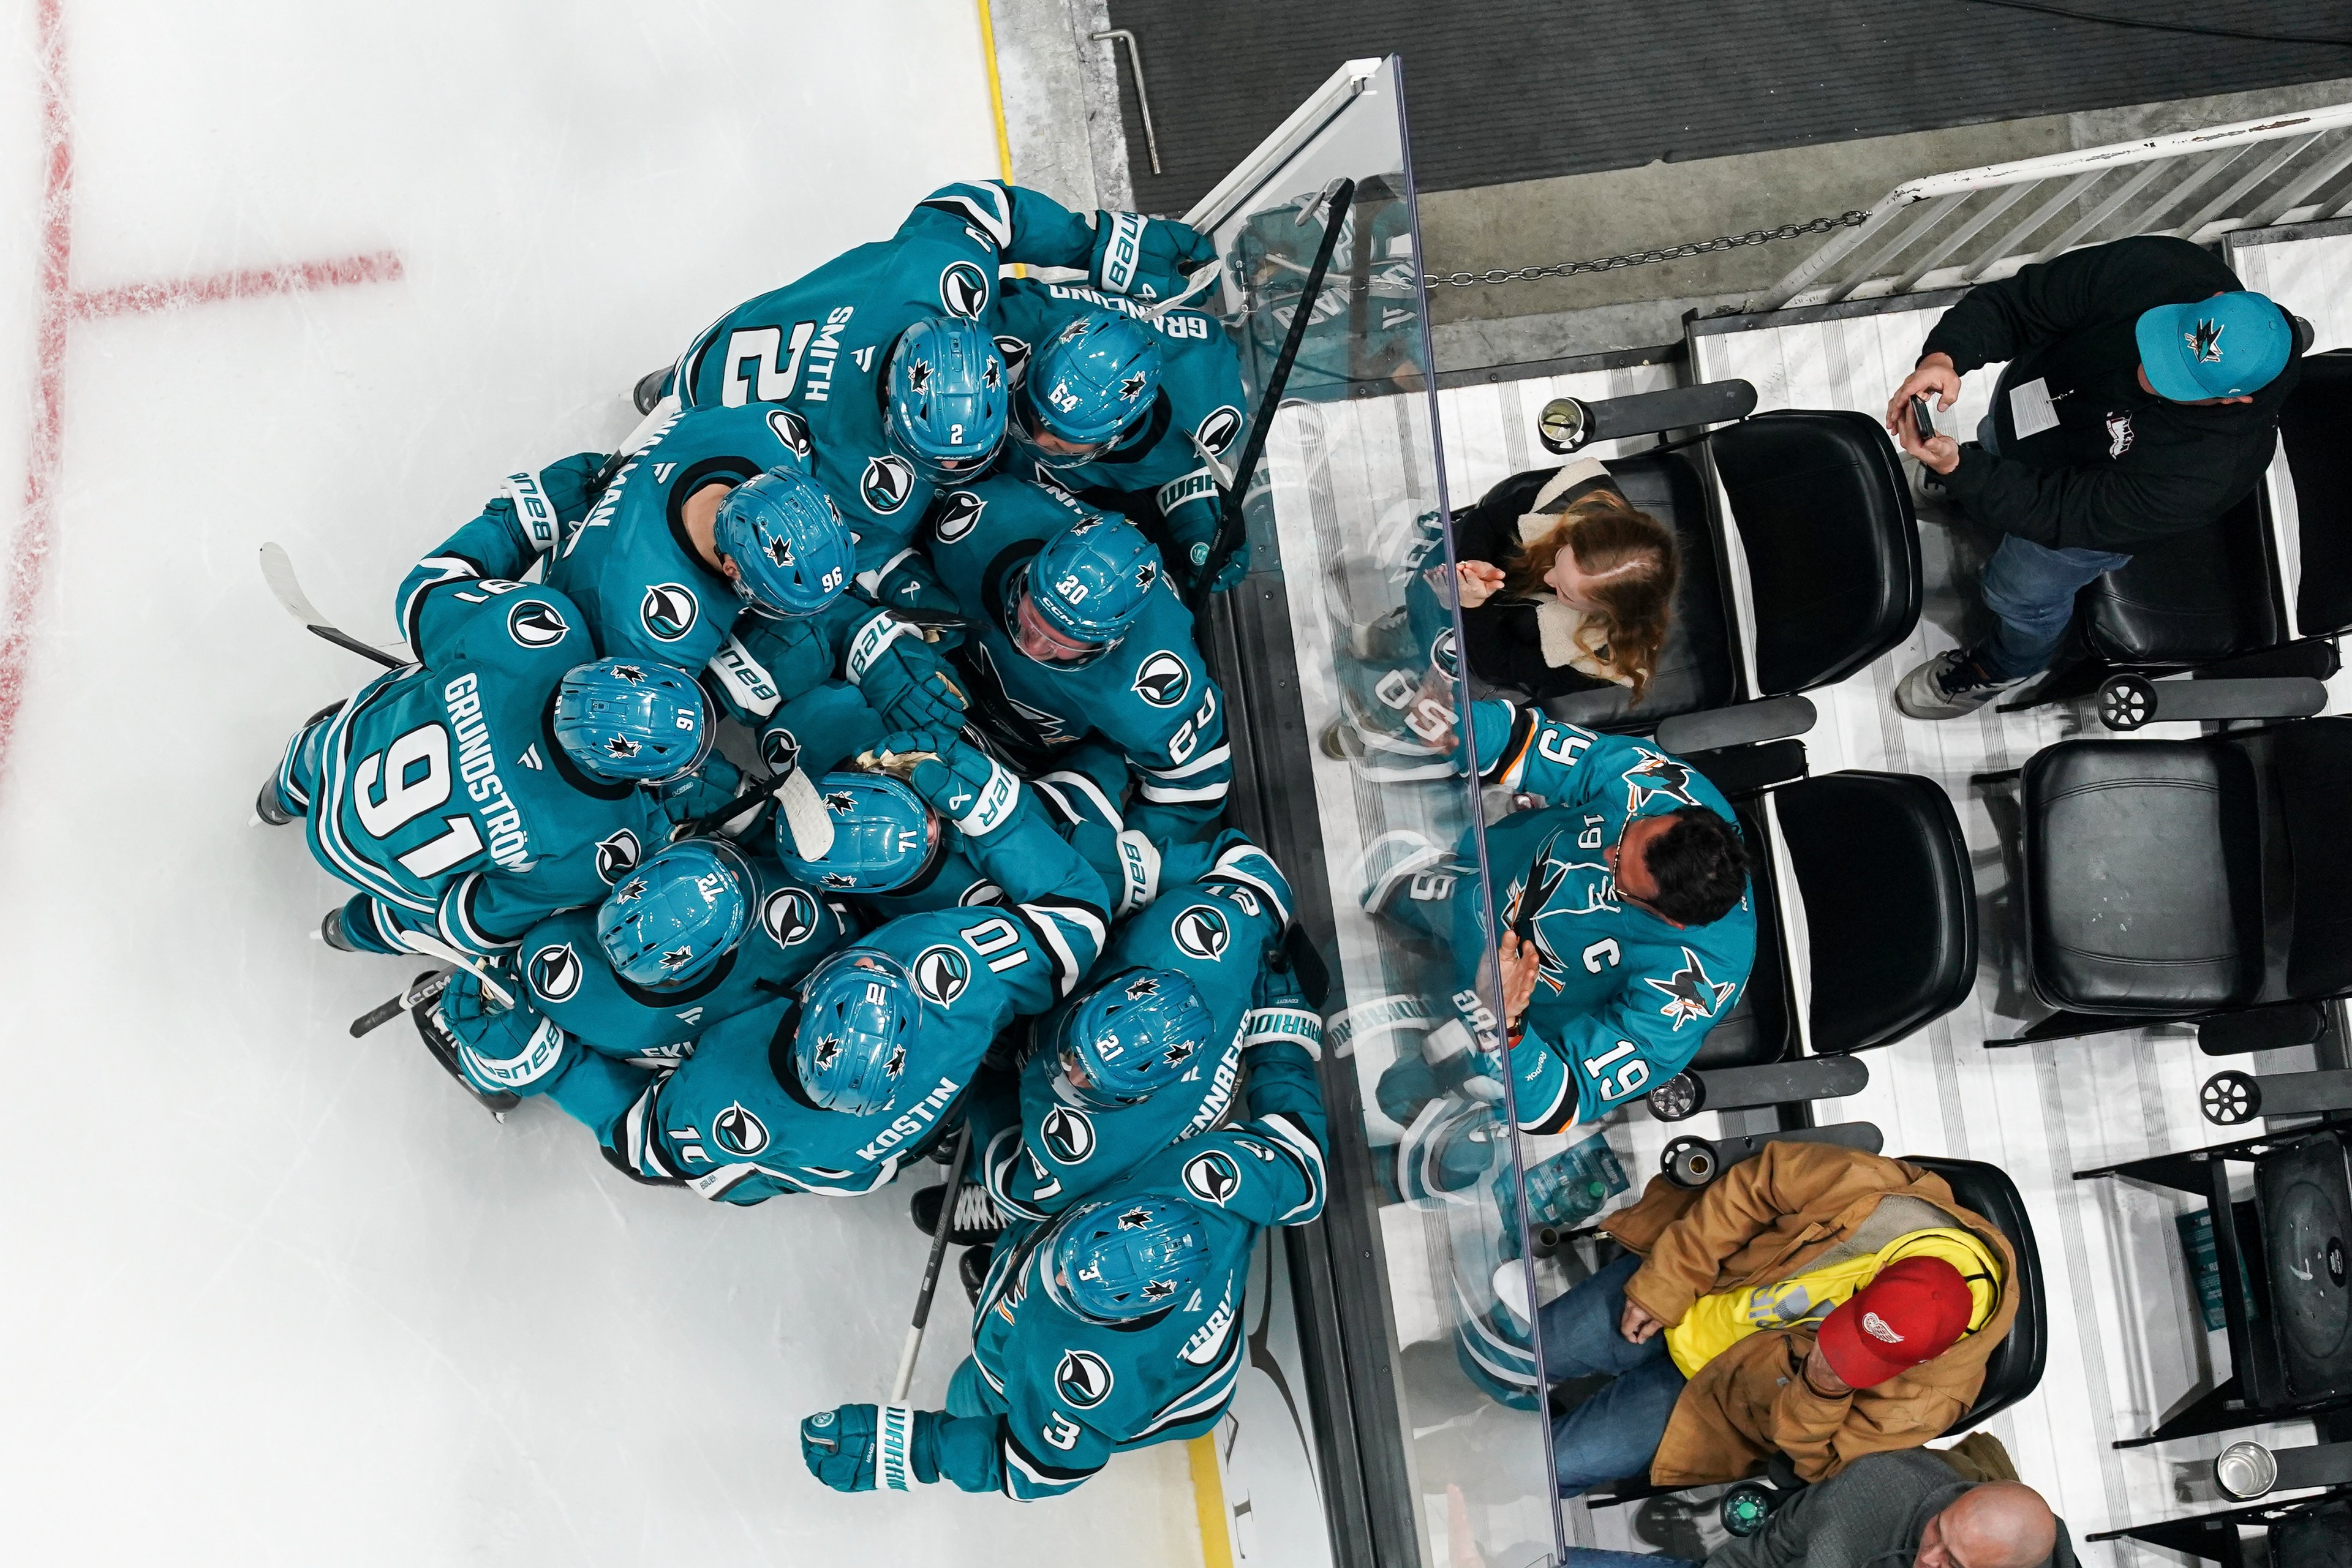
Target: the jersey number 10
(405, 799)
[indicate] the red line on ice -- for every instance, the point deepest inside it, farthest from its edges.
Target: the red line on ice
(60, 305)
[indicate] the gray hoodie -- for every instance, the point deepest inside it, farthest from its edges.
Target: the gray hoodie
(1868, 1515)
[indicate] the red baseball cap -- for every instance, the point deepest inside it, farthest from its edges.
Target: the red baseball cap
(1912, 1311)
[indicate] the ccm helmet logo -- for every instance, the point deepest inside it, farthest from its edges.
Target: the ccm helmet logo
(1163, 679)
(964, 289)
(959, 510)
(535, 622)
(887, 484)
(791, 430)
(670, 610)
(555, 973)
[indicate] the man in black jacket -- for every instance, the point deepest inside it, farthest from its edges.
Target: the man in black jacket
(2141, 399)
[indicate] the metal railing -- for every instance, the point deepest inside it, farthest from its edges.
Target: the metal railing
(1952, 229)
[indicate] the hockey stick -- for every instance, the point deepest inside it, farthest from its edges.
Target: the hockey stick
(421, 990)
(1232, 530)
(914, 1345)
(278, 571)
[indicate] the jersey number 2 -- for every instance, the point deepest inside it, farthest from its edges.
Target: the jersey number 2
(405, 799)
(758, 347)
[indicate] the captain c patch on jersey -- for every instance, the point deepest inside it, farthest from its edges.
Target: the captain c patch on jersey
(535, 623)
(1163, 679)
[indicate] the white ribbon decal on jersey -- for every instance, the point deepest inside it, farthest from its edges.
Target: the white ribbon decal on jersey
(1121, 252)
(998, 798)
(878, 633)
(893, 1447)
(532, 509)
(744, 676)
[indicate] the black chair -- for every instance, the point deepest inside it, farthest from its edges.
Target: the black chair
(1891, 924)
(2015, 1367)
(2207, 880)
(2214, 600)
(1832, 549)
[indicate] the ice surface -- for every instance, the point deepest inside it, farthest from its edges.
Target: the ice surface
(274, 1295)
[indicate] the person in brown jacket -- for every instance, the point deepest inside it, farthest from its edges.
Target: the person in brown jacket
(1816, 1301)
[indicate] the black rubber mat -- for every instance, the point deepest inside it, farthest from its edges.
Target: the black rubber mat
(1520, 89)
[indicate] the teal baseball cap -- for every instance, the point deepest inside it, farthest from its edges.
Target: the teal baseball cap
(2227, 346)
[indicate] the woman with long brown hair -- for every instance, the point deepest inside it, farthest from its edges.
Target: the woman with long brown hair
(1575, 593)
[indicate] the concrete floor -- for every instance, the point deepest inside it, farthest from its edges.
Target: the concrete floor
(1539, 222)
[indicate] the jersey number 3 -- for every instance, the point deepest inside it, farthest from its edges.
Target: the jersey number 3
(404, 799)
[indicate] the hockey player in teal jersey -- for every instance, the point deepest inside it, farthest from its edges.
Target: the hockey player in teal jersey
(1150, 1052)
(1131, 409)
(832, 1090)
(758, 931)
(1628, 893)
(1074, 630)
(465, 799)
(712, 521)
(1114, 1325)
(884, 350)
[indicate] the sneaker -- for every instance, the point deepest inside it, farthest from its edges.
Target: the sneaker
(972, 1270)
(1949, 686)
(978, 1222)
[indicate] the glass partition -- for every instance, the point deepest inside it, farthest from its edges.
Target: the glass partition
(1345, 515)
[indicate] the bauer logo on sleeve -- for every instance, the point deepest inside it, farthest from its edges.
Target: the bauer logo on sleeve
(887, 484)
(963, 291)
(535, 622)
(670, 610)
(1212, 1177)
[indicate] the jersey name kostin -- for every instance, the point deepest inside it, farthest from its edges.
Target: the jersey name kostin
(917, 1119)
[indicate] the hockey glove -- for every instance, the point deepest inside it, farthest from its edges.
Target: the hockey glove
(1196, 557)
(494, 1049)
(902, 677)
(912, 587)
(553, 498)
(955, 778)
(1145, 257)
(856, 1448)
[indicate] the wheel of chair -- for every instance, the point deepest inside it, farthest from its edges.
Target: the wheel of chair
(1678, 1099)
(1690, 1162)
(2229, 1099)
(2126, 701)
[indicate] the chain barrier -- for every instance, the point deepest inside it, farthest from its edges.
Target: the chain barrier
(1645, 258)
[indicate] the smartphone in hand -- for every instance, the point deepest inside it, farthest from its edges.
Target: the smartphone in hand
(1922, 422)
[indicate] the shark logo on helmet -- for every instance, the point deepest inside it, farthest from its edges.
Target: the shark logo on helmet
(790, 916)
(791, 430)
(555, 973)
(535, 623)
(958, 511)
(963, 291)
(617, 855)
(1083, 1379)
(1163, 681)
(669, 611)
(887, 484)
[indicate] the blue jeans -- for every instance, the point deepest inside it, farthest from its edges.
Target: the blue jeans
(1615, 1432)
(2030, 588)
